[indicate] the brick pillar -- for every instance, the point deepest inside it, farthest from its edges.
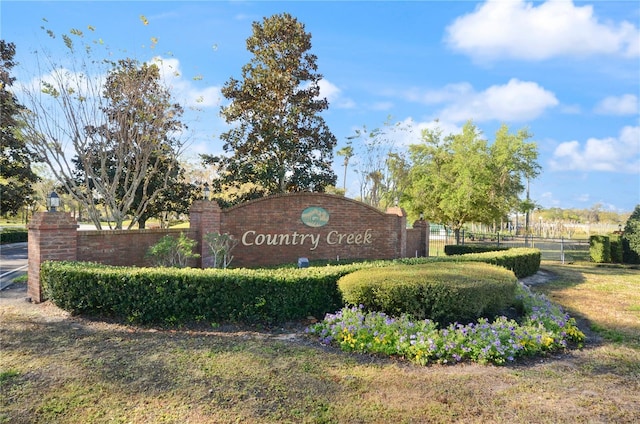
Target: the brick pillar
(424, 227)
(401, 228)
(205, 217)
(52, 237)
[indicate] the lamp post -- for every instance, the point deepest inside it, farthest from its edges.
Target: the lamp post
(53, 201)
(206, 191)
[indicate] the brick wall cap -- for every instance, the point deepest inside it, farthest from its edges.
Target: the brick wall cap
(307, 194)
(49, 220)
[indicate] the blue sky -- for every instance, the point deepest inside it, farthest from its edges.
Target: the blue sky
(568, 71)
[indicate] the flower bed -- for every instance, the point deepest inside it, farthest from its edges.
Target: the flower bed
(543, 328)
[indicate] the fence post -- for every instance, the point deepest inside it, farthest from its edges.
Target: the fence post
(562, 249)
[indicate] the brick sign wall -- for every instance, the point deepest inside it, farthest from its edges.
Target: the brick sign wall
(281, 229)
(271, 231)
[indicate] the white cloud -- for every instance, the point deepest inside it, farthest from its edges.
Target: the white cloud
(333, 94)
(184, 89)
(515, 101)
(532, 31)
(62, 79)
(626, 104)
(408, 131)
(611, 154)
(446, 127)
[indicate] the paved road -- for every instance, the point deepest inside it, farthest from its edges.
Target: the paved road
(13, 262)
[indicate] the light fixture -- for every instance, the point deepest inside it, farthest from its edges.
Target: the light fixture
(206, 191)
(53, 201)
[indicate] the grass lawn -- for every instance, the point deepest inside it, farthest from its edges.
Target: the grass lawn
(55, 368)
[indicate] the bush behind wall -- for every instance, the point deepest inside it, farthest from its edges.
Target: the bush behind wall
(13, 235)
(600, 249)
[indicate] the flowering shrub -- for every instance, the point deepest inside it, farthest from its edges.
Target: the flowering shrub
(543, 328)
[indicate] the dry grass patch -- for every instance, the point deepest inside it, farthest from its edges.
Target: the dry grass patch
(56, 368)
(609, 298)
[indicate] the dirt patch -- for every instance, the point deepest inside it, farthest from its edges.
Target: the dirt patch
(540, 277)
(16, 291)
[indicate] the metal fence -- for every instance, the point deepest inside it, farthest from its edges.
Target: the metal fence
(552, 249)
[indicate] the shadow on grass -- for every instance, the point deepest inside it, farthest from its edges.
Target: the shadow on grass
(599, 306)
(70, 369)
(73, 360)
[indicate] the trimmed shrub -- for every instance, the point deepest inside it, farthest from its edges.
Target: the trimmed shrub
(615, 242)
(174, 296)
(463, 249)
(600, 249)
(444, 293)
(13, 235)
(523, 261)
(631, 238)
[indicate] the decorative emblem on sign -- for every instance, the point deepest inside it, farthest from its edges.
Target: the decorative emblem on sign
(315, 216)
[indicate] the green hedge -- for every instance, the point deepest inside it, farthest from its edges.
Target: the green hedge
(615, 242)
(174, 296)
(167, 295)
(463, 249)
(523, 261)
(600, 249)
(445, 293)
(13, 235)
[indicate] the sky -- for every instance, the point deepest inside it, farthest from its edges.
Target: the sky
(569, 72)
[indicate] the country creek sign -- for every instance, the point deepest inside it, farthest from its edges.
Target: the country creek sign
(314, 217)
(282, 228)
(253, 238)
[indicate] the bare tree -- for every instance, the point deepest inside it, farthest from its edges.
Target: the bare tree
(376, 155)
(106, 129)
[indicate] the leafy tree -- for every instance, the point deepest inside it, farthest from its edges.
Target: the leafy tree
(16, 175)
(460, 178)
(105, 139)
(631, 238)
(173, 196)
(513, 161)
(279, 142)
